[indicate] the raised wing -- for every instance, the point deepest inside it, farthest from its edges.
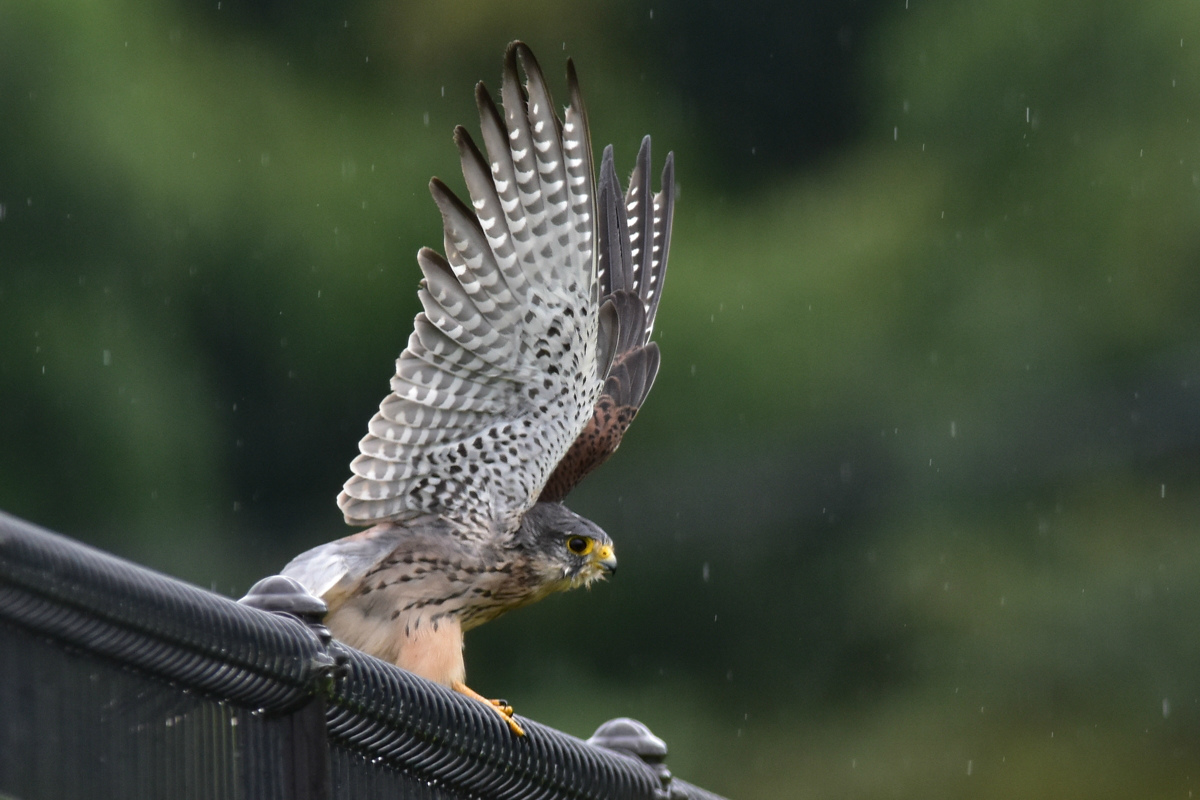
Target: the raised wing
(634, 240)
(509, 355)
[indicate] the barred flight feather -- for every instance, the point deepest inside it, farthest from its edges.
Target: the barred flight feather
(634, 232)
(509, 355)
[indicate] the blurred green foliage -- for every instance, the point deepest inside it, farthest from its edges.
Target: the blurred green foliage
(912, 509)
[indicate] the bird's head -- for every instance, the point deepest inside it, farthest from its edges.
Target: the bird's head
(567, 549)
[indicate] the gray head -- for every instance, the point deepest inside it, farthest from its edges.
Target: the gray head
(566, 547)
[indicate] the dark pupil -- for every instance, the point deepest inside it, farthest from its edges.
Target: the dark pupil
(576, 544)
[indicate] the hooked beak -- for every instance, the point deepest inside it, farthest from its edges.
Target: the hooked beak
(606, 558)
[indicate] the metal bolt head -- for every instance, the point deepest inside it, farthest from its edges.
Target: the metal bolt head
(281, 594)
(627, 735)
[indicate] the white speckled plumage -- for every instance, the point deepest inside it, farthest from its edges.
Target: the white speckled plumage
(503, 368)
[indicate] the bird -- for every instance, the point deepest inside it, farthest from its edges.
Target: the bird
(530, 358)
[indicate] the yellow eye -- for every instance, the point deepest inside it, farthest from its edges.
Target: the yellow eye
(580, 545)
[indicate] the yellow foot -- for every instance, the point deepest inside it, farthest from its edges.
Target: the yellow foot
(499, 706)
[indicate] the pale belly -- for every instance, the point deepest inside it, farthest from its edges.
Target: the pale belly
(429, 648)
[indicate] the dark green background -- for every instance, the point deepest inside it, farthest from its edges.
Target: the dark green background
(914, 508)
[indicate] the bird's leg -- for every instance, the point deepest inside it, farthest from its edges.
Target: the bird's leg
(499, 706)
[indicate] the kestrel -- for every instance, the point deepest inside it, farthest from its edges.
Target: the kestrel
(530, 359)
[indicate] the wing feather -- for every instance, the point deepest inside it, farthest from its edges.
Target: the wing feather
(512, 347)
(634, 231)
(663, 210)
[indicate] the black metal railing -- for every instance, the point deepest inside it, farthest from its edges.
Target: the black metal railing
(119, 682)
